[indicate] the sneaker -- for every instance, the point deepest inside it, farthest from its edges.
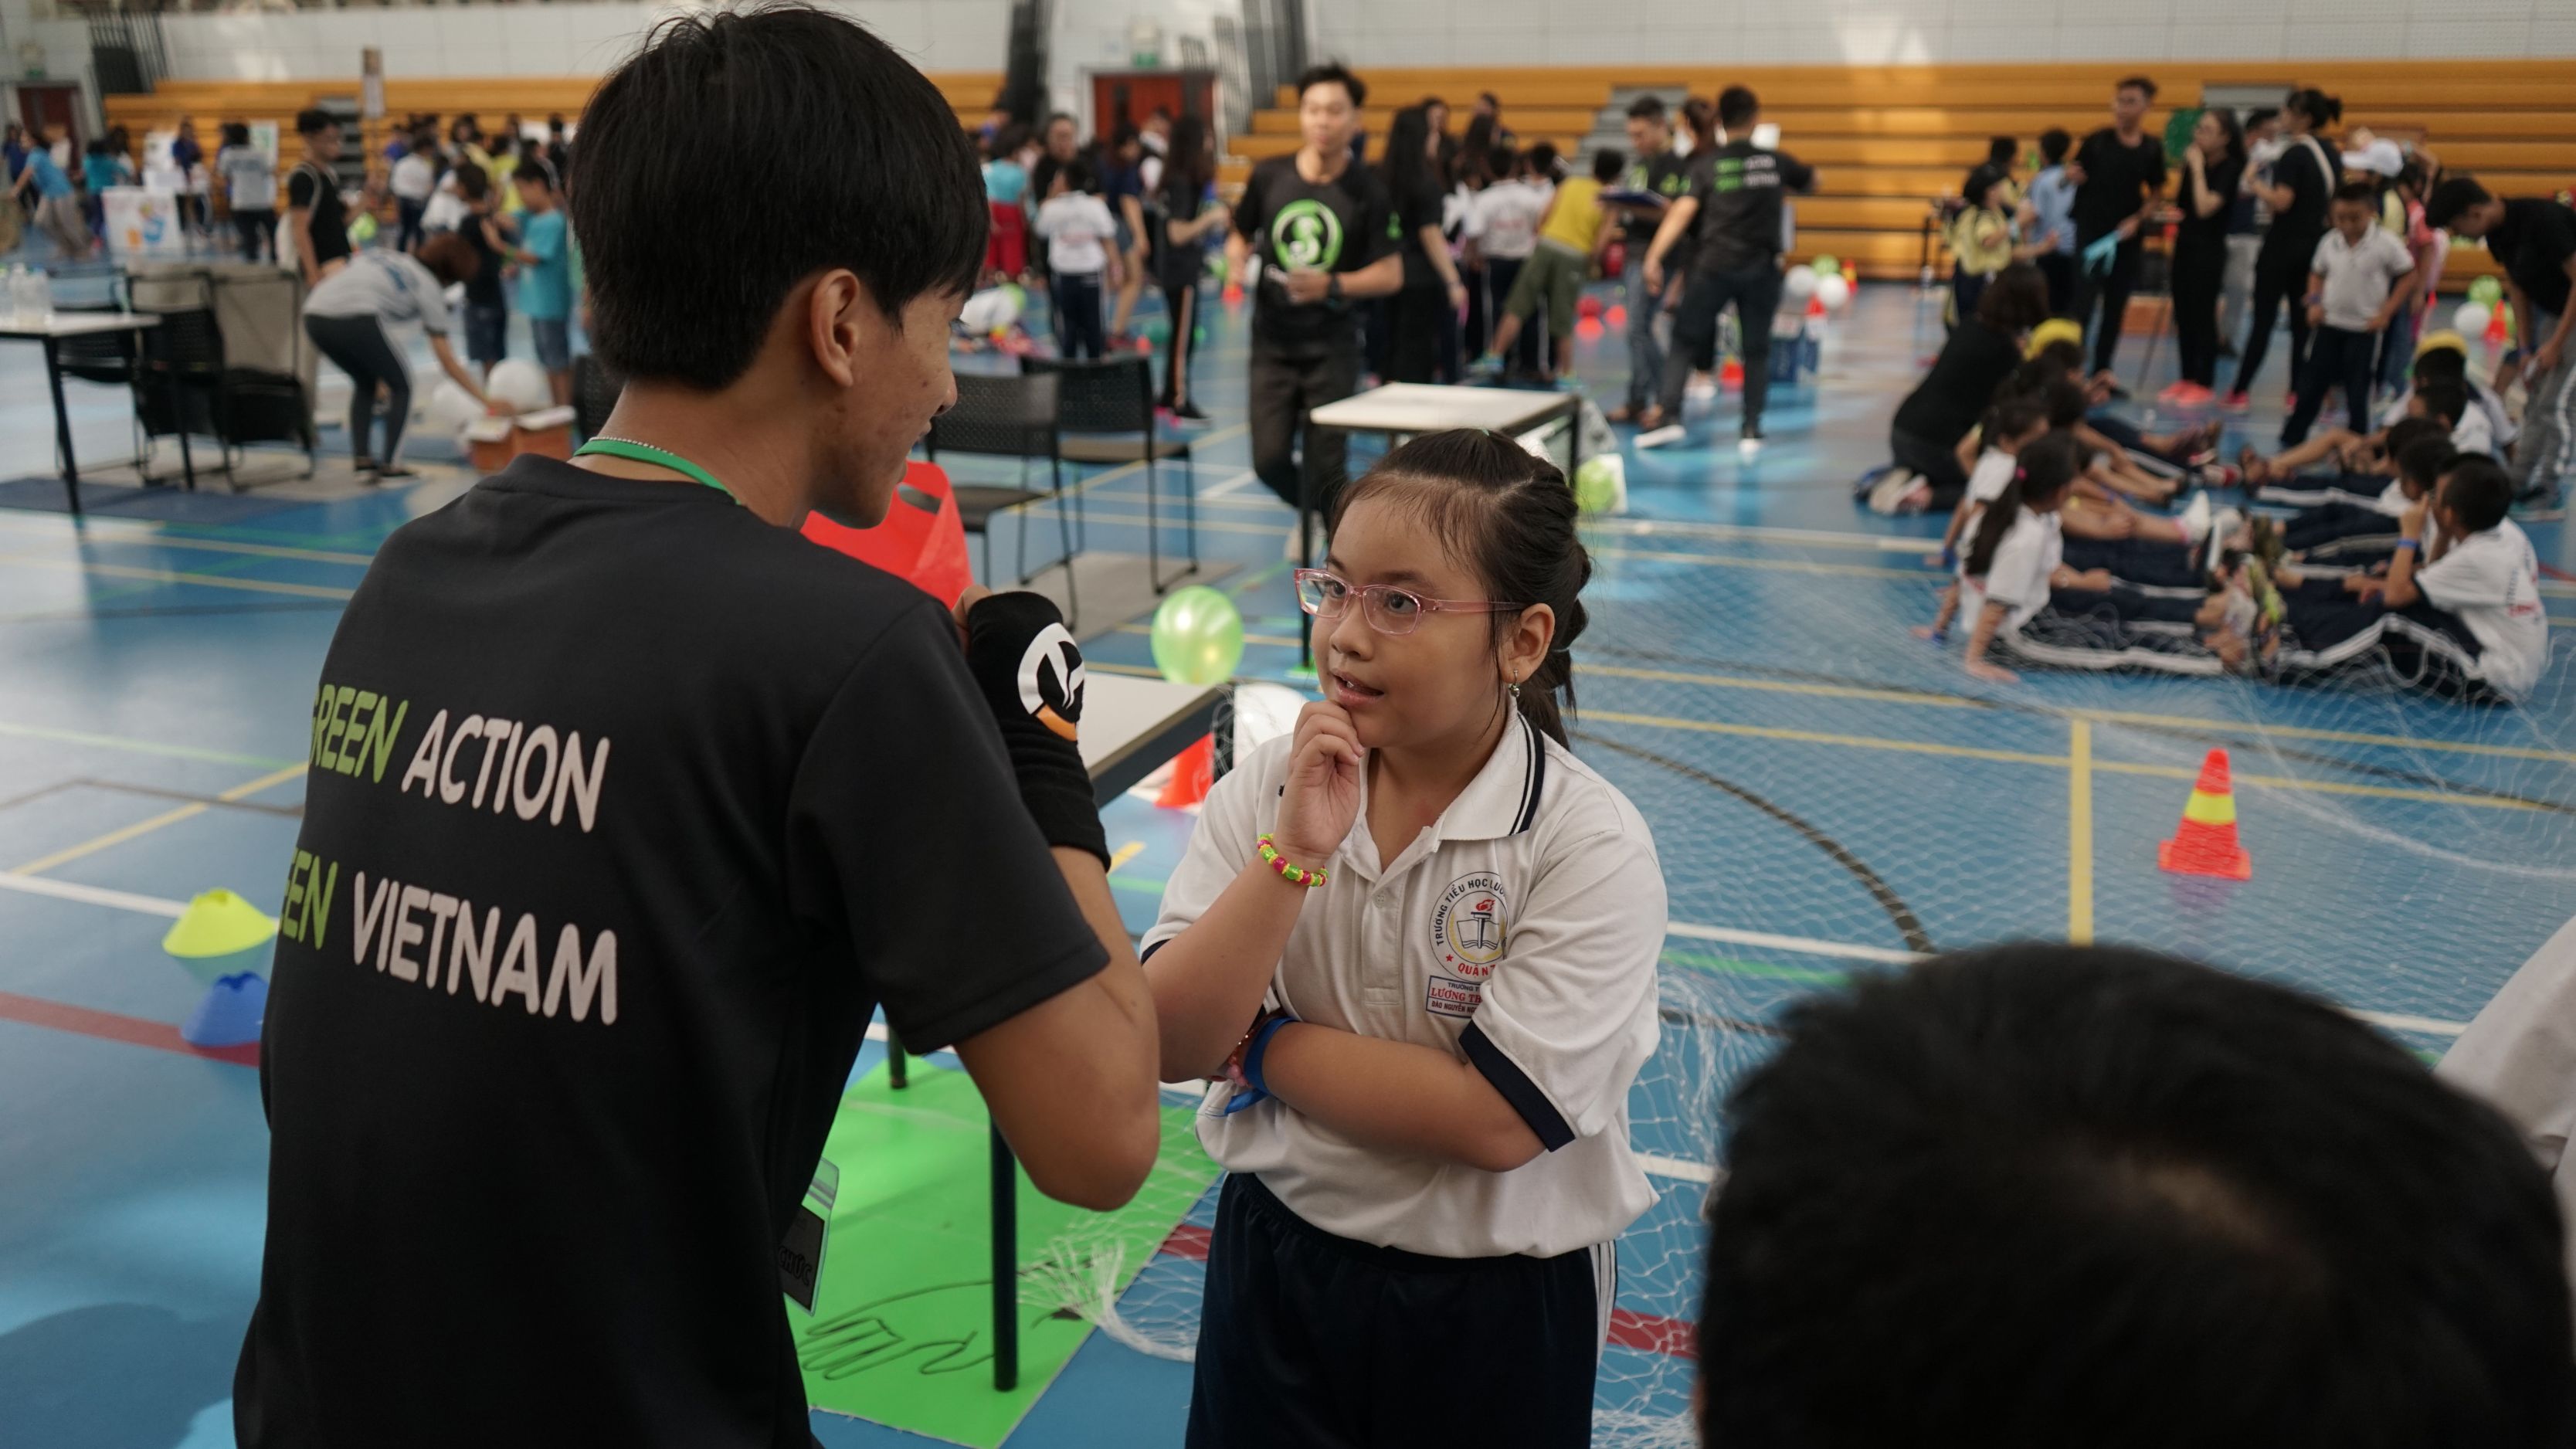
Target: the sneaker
(1187, 415)
(1485, 369)
(1749, 447)
(2236, 402)
(2195, 518)
(390, 472)
(2174, 392)
(365, 465)
(1702, 388)
(1664, 436)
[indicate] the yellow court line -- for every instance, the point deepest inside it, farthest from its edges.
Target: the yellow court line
(1124, 854)
(1812, 737)
(2321, 787)
(2079, 833)
(171, 576)
(145, 827)
(1785, 686)
(1775, 565)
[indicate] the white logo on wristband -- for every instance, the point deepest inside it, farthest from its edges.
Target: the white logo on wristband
(1053, 695)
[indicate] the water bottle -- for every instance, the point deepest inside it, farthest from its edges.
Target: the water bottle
(40, 293)
(16, 300)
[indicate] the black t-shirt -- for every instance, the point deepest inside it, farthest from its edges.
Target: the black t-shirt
(627, 810)
(2532, 243)
(1414, 209)
(1664, 174)
(312, 186)
(484, 288)
(1960, 387)
(1739, 204)
(2209, 231)
(2310, 170)
(1342, 225)
(2117, 181)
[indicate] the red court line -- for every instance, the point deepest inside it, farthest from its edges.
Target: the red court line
(1673, 1337)
(108, 1026)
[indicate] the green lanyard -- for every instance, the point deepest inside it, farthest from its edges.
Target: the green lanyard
(646, 453)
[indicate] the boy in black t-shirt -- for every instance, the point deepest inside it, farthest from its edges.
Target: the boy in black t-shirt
(2534, 238)
(1654, 170)
(630, 807)
(316, 219)
(1735, 200)
(2119, 175)
(1322, 228)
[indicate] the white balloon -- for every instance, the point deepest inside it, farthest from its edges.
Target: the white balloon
(2472, 318)
(1833, 291)
(1802, 281)
(990, 310)
(520, 386)
(449, 410)
(1263, 712)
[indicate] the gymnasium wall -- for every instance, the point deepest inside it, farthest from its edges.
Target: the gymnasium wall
(534, 40)
(1881, 32)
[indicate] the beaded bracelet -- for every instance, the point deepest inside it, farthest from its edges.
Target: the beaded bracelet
(1293, 874)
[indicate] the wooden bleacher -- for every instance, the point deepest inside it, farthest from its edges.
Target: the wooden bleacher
(213, 102)
(1889, 139)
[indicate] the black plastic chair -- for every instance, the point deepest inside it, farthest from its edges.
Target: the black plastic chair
(1106, 409)
(1008, 417)
(594, 394)
(236, 406)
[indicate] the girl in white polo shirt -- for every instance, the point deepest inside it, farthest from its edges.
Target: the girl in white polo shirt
(1413, 946)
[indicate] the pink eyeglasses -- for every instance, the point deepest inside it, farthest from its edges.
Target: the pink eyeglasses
(1388, 609)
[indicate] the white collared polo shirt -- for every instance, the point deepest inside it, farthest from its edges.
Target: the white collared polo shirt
(1520, 932)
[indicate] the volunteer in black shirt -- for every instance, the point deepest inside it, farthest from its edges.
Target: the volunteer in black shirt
(1428, 303)
(2534, 238)
(2119, 173)
(1325, 234)
(1952, 398)
(315, 217)
(1652, 168)
(1734, 198)
(629, 806)
(2207, 197)
(2303, 181)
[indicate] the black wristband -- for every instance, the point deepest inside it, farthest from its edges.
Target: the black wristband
(1031, 673)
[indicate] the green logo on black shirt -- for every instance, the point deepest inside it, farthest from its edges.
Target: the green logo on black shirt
(1306, 234)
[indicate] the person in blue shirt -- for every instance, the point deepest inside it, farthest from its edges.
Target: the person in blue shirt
(58, 206)
(98, 173)
(545, 280)
(2048, 213)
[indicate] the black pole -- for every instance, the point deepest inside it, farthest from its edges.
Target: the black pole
(1006, 1266)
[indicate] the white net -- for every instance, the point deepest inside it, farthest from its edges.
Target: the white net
(1830, 795)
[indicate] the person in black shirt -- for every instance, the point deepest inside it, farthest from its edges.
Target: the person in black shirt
(2301, 185)
(1978, 358)
(630, 807)
(487, 306)
(1652, 168)
(316, 219)
(2119, 173)
(2534, 238)
(1734, 201)
(1427, 306)
(2210, 171)
(1326, 236)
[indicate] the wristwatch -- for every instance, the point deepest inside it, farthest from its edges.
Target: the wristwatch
(1333, 288)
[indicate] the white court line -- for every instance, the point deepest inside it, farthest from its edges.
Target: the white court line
(2394, 1021)
(37, 885)
(1235, 484)
(1676, 1167)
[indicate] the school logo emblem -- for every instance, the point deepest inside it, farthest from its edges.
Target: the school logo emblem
(1469, 928)
(1051, 680)
(1306, 234)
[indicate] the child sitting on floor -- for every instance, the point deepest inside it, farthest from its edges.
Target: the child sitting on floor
(2009, 425)
(2467, 625)
(2363, 459)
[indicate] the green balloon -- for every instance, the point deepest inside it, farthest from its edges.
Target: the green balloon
(1198, 636)
(1156, 329)
(2487, 290)
(1595, 490)
(1824, 263)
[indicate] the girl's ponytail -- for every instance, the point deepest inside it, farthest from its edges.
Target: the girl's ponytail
(2046, 469)
(1512, 515)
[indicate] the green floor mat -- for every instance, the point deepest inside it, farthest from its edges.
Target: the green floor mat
(902, 1328)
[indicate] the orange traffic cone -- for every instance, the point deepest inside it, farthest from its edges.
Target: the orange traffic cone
(2205, 842)
(1193, 771)
(1730, 373)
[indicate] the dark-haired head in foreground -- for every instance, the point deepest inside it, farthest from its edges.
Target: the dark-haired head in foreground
(2041, 1197)
(794, 321)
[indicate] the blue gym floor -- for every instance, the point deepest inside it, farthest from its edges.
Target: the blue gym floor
(1827, 795)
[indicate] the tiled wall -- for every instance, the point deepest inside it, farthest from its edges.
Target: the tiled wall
(548, 40)
(1879, 32)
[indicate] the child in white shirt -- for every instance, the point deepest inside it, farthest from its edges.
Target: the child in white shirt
(1081, 237)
